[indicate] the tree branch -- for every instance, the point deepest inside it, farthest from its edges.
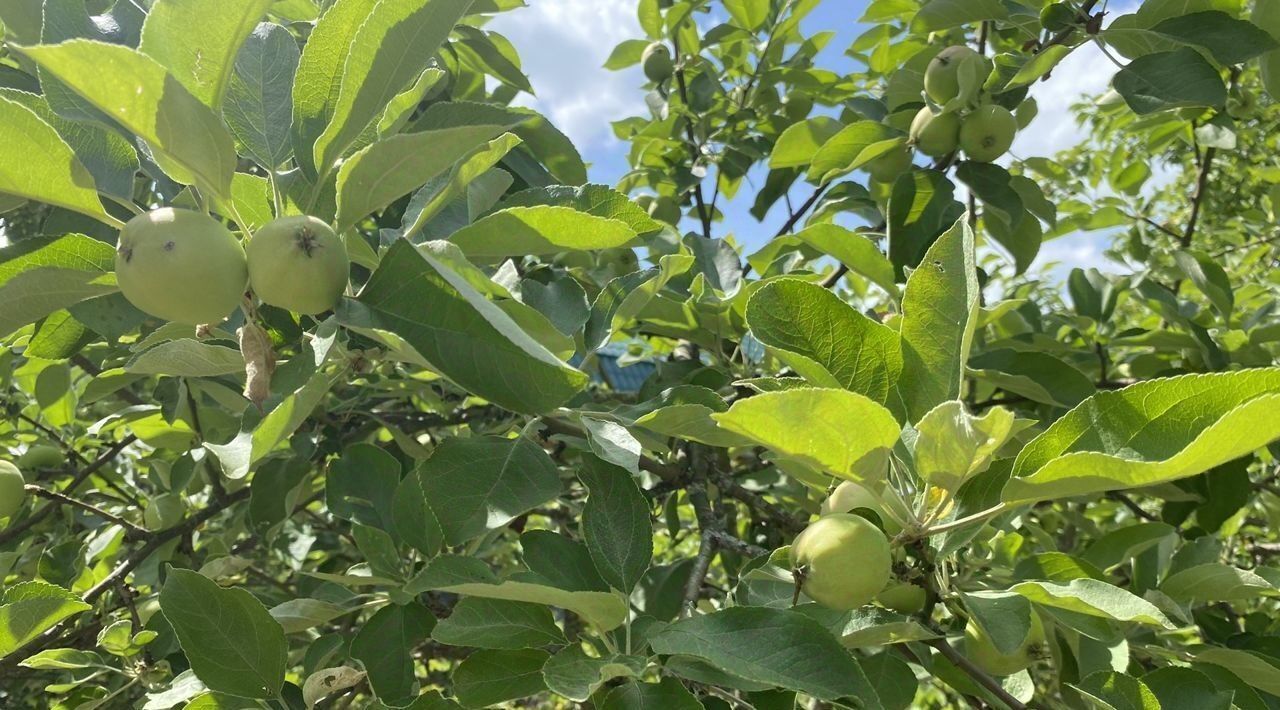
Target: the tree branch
(16, 530)
(977, 674)
(127, 565)
(131, 530)
(704, 214)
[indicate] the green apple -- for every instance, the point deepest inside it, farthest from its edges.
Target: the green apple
(299, 264)
(657, 62)
(902, 597)
(163, 512)
(979, 648)
(942, 76)
(665, 209)
(987, 133)
(180, 265)
(887, 167)
(843, 561)
(935, 134)
(42, 456)
(12, 491)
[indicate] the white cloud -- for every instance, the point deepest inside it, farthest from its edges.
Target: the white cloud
(1085, 72)
(564, 45)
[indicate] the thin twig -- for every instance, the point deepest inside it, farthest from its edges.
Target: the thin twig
(17, 529)
(131, 530)
(980, 676)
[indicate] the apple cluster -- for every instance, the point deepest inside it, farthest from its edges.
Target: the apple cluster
(186, 267)
(844, 561)
(983, 130)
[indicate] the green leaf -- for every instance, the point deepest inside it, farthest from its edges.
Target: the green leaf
(1148, 433)
(1213, 583)
(488, 678)
(57, 178)
(28, 609)
(944, 14)
(573, 674)
(298, 615)
(615, 524)
(811, 426)
(1119, 546)
(599, 200)
(480, 484)
(778, 646)
(624, 297)
(465, 336)
(1228, 39)
(1253, 668)
(232, 642)
(471, 576)
(259, 103)
(859, 253)
(319, 76)
(1040, 65)
(939, 315)
(189, 141)
(750, 15)
(197, 42)
(1180, 688)
(378, 175)
(668, 694)
(953, 446)
(1117, 690)
(853, 147)
(389, 50)
(800, 142)
(187, 357)
(1168, 80)
(824, 339)
(539, 231)
(1094, 598)
(495, 623)
(1038, 376)
(442, 192)
(384, 646)
(107, 155)
(33, 294)
(1209, 277)
(239, 455)
(921, 207)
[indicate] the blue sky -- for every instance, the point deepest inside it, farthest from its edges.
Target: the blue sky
(564, 43)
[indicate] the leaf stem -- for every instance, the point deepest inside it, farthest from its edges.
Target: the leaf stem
(966, 520)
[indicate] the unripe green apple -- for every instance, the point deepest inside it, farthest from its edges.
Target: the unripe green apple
(180, 265)
(902, 597)
(979, 648)
(657, 62)
(42, 456)
(887, 167)
(942, 76)
(665, 209)
(299, 264)
(935, 134)
(12, 492)
(163, 512)
(849, 496)
(987, 133)
(843, 561)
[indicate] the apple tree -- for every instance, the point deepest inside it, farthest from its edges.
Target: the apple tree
(330, 380)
